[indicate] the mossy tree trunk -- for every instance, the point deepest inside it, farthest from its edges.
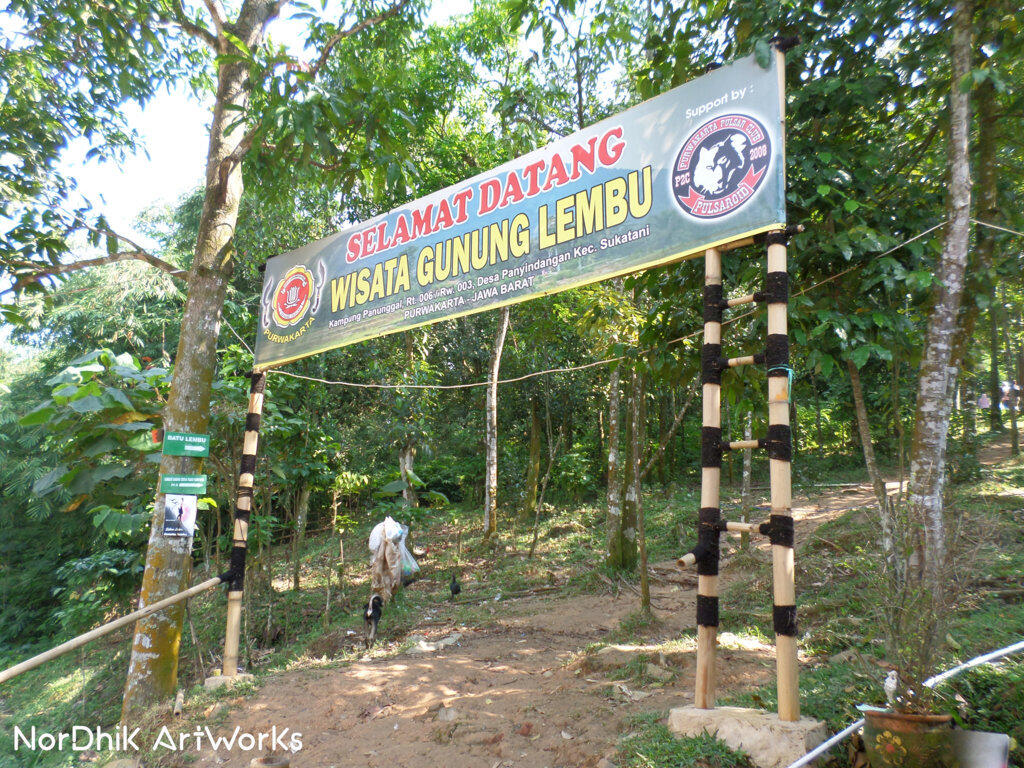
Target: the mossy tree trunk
(938, 369)
(533, 465)
(301, 516)
(631, 492)
(153, 667)
(491, 464)
(877, 482)
(613, 520)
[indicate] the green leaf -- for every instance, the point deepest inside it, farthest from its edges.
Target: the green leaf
(763, 53)
(120, 397)
(49, 481)
(394, 487)
(41, 414)
(88, 404)
(859, 355)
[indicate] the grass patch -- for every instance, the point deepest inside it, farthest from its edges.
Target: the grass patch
(651, 744)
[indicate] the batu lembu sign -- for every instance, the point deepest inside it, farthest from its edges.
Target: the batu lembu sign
(698, 166)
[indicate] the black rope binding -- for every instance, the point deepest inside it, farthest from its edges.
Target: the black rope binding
(776, 354)
(780, 237)
(779, 529)
(252, 422)
(708, 532)
(711, 446)
(234, 576)
(780, 444)
(707, 611)
(785, 42)
(776, 287)
(247, 465)
(711, 364)
(714, 303)
(258, 383)
(784, 619)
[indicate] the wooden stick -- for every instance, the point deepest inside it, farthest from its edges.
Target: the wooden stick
(735, 362)
(687, 561)
(743, 527)
(779, 471)
(780, 480)
(739, 445)
(243, 505)
(106, 629)
(748, 299)
(707, 585)
(735, 244)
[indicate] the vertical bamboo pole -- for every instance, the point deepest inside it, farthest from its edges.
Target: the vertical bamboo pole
(243, 505)
(709, 517)
(779, 455)
(780, 449)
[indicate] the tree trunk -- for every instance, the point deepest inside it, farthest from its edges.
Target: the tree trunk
(153, 667)
(938, 369)
(491, 467)
(301, 515)
(533, 468)
(995, 391)
(406, 461)
(407, 452)
(746, 499)
(631, 495)
(817, 416)
(877, 482)
(636, 456)
(1011, 401)
(614, 484)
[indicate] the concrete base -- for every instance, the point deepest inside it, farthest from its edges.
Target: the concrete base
(770, 742)
(219, 681)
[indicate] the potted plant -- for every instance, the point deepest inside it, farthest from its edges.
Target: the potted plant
(912, 731)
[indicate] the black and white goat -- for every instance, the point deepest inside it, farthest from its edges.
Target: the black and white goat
(371, 617)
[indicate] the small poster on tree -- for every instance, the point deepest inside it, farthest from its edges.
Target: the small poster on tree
(179, 515)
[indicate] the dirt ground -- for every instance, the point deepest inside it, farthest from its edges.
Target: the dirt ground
(508, 693)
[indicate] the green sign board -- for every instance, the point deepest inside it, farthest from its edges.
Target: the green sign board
(191, 484)
(698, 166)
(186, 444)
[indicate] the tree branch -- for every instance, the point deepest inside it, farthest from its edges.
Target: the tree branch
(668, 436)
(198, 31)
(354, 29)
(62, 269)
(217, 16)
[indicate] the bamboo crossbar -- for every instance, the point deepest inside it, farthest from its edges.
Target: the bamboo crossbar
(742, 445)
(748, 299)
(735, 362)
(743, 527)
(735, 244)
(106, 629)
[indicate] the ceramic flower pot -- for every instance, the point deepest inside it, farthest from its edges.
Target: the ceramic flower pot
(897, 740)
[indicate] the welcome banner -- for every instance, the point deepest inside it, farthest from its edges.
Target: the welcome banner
(698, 166)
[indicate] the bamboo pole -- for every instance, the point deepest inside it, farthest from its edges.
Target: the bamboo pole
(780, 452)
(711, 463)
(243, 505)
(106, 629)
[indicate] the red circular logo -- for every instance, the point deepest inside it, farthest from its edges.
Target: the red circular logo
(721, 166)
(291, 299)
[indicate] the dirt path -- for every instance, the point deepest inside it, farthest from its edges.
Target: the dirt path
(506, 694)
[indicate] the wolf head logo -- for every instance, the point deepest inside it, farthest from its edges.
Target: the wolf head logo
(718, 164)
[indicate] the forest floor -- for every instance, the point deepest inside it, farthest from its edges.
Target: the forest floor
(549, 662)
(517, 688)
(525, 684)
